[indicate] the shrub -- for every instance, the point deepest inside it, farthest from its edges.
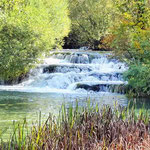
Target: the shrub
(138, 80)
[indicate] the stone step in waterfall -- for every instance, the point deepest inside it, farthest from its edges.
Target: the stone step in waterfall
(103, 86)
(75, 70)
(80, 57)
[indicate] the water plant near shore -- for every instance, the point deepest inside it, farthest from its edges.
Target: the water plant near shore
(89, 127)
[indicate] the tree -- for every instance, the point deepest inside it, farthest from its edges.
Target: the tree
(132, 31)
(132, 43)
(90, 22)
(29, 28)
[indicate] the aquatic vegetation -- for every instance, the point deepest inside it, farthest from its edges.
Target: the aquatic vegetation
(89, 127)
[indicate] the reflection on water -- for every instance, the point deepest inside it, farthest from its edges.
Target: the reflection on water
(17, 105)
(140, 103)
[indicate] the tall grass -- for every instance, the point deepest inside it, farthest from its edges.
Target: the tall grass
(86, 128)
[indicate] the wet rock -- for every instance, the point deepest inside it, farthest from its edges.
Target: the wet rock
(49, 69)
(95, 88)
(103, 88)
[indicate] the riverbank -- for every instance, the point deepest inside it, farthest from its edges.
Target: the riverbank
(89, 127)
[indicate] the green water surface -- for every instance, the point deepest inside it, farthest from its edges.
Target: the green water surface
(15, 106)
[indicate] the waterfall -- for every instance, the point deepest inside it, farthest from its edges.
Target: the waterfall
(74, 71)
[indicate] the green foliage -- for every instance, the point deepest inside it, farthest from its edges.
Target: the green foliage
(138, 80)
(132, 34)
(132, 42)
(29, 28)
(90, 22)
(133, 45)
(134, 13)
(17, 51)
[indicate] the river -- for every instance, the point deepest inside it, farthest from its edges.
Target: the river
(64, 77)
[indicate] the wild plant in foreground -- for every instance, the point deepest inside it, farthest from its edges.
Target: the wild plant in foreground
(87, 128)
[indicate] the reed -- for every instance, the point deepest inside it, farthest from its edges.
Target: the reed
(89, 127)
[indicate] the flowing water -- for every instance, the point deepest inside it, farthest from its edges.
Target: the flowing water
(62, 78)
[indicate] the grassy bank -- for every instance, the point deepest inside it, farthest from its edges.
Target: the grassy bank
(90, 127)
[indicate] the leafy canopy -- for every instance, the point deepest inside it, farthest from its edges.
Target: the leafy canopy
(90, 21)
(29, 28)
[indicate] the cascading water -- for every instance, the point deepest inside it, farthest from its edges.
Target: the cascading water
(74, 71)
(62, 78)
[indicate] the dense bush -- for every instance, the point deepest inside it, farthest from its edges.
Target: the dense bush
(138, 77)
(29, 28)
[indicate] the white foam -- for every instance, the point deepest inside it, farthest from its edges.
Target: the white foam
(67, 75)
